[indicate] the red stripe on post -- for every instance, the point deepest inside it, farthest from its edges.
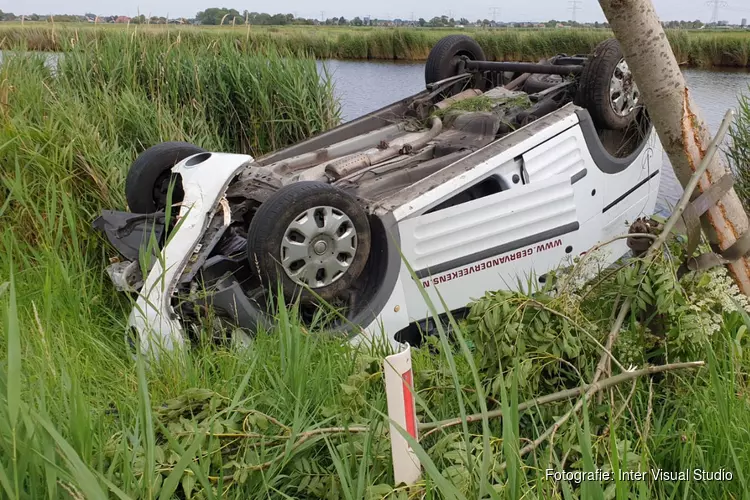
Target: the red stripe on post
(411, 424)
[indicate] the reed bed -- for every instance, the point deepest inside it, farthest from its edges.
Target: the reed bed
(107, 100)
(692, 48)
(738, 151)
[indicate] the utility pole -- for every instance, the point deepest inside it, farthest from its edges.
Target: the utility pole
(494, 13)
(322, 16)
(574, 7)
(716, 5)
(682, 131)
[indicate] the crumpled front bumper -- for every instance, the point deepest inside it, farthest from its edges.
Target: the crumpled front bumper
(205, 177)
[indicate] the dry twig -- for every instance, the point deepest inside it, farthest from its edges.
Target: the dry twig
(559, 396)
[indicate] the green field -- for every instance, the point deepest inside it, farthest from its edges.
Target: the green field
(692, 48)
(297, 414)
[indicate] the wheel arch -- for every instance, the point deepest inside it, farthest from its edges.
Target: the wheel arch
(605, 161)
(383, 268)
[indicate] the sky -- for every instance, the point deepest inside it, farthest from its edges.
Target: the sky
(531, 10)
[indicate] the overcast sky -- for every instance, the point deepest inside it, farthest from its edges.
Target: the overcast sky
(529, 10)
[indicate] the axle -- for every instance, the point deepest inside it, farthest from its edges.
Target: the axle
(519, 67)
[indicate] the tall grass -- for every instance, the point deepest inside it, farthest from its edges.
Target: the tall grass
(80, 419)
(702, 49)
(739, 149)
(253, 103)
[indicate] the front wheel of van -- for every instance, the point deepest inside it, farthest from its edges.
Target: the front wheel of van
(312, 238)
(607, 88)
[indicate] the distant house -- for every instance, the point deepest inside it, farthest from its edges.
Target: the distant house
(122, 19)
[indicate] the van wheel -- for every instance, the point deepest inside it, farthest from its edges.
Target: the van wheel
(149, 177)
(444, 57)
(309, 235)
(607, 89)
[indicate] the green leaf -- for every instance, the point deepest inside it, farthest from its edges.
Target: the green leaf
(159, 455)
(113, 488)
(5, 482)
(705, 280)
(348, 389)
(647, 287)
(14, 357)
(188, 483)
(170, 485)
(379, 490)
(262, 422)
(304, 483)
(84, 477)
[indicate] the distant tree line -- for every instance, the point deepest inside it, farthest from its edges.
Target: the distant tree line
(89, 17)
(684, 24)
(216, 16)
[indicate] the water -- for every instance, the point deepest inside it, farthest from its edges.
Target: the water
(363, 87)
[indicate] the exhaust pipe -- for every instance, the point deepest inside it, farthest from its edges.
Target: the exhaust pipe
(346, 166)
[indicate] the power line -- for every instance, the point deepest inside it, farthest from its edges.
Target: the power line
(736, 9)
(716, 5)
(494, 11)
(574, 7)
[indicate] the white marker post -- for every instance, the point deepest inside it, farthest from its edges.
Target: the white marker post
(402, 412)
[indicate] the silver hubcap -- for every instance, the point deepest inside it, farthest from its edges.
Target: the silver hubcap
(318, 247)
(623, 92)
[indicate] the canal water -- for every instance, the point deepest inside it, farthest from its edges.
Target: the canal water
(363, 87)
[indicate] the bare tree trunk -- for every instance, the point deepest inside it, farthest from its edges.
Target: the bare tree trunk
(676, 117)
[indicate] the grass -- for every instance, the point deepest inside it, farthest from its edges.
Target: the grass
(478, 103)
(80, 419)
(739, 150)
(692, 48)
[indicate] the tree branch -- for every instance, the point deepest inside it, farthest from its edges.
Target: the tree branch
(559, 396)
(593, 388)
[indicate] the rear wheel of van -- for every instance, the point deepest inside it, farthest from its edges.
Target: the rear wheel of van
(445, 56)
(150, 176)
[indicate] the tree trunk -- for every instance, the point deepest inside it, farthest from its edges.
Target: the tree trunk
(682, 131)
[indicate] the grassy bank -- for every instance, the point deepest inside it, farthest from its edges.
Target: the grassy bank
(80, 419)
(693, 48)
